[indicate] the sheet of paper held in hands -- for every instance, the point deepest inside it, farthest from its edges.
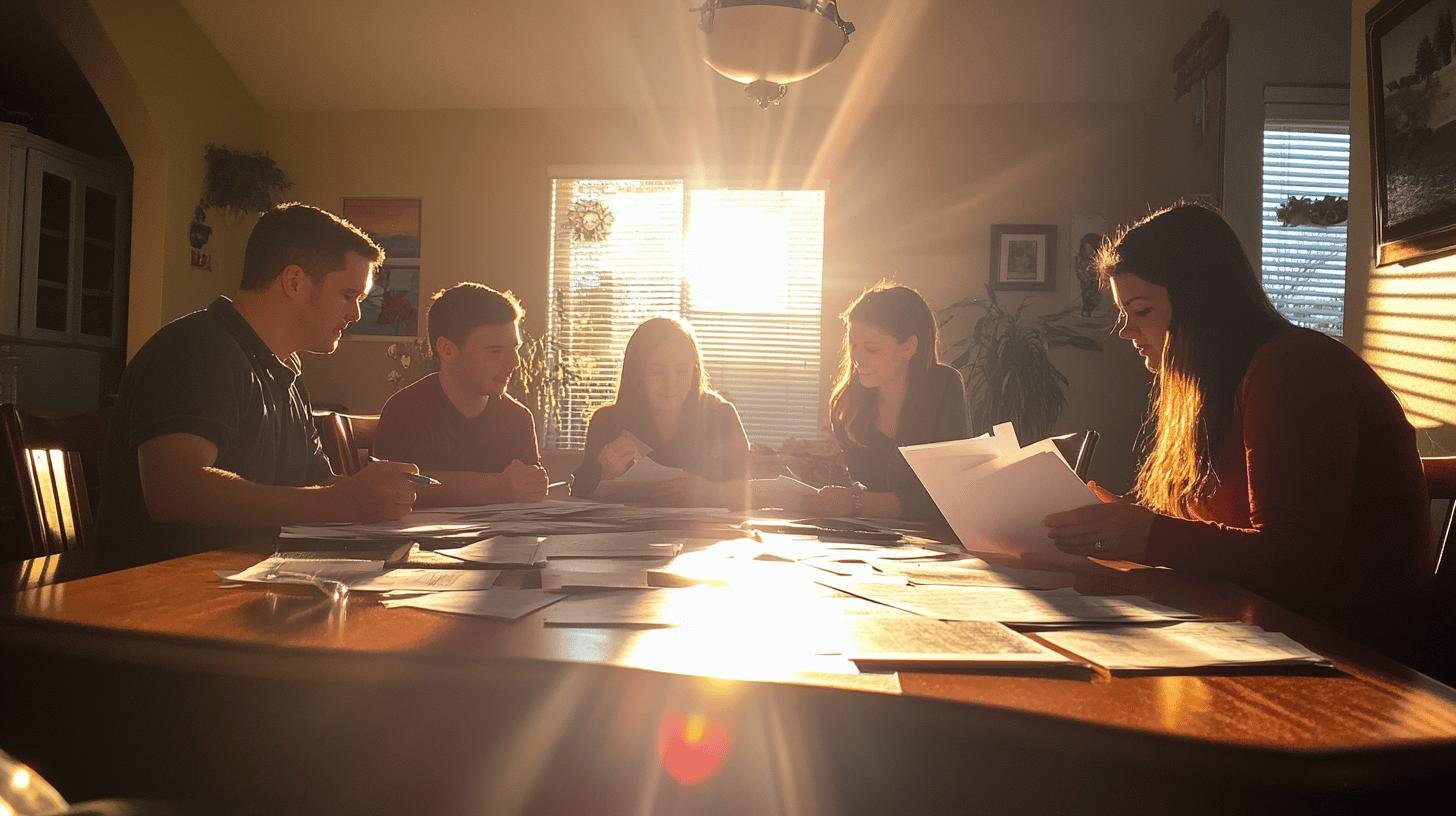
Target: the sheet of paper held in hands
(780, 491)
(638, 482)
(995, 494)
(1183, 646)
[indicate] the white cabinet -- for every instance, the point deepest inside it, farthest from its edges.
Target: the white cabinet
(66, 220)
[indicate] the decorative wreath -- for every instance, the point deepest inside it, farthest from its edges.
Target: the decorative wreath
(1324, 212)
(590, 220)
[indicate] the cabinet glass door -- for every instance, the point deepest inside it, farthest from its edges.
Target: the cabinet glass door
(53, 247)
(99, 260)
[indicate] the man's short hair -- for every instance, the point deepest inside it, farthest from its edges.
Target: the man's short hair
(295, 233)
(457, 310)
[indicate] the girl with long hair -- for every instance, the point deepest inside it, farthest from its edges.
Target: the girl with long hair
(665, 409)
(1273, 455)
(892, 391)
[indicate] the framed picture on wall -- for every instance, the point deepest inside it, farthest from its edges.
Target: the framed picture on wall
(1023, 256)
(392, 307)
(1411, 68)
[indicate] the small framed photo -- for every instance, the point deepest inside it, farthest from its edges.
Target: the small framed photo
(1023, 256)
(392, 308)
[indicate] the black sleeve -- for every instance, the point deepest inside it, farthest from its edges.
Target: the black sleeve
(320, 470)
(187, 382)
(600, 430)
(951, 421)
(727, 444)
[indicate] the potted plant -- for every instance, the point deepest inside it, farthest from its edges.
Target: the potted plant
(237, 182)
(546, 374)
(1007, 365)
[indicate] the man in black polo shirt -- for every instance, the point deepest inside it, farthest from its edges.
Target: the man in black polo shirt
(211, 440)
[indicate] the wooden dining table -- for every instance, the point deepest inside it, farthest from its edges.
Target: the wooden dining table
(159, 680)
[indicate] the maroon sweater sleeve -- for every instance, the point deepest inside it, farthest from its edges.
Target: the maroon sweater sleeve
(1299, 424)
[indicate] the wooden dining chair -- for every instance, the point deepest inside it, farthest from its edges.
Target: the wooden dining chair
(48, 461)
(1441, 483)
(348, 439)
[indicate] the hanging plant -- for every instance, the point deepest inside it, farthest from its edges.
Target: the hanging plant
(241, 183)
(238, 183)
(590, 220)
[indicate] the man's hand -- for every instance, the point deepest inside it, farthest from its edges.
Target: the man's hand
(379, 492)
(527, 482)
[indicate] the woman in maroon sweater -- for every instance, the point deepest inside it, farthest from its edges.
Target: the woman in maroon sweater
(1275, 458)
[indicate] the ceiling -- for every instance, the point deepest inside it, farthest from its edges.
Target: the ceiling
(470, 54)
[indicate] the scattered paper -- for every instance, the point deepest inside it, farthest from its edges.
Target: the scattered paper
(917, 643)
(1010, 606)
(1184, 646)
(500, 604)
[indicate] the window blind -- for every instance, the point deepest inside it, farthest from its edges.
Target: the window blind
(743, 266)
(1303, 267)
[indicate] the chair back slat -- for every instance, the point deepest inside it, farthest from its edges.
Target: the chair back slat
(46, 461)
(1441, 484)
(361, 430)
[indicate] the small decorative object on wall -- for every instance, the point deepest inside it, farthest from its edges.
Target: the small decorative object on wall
(1007, 365)
(1409, 48)
(239, 183)
(1023, 256)
(410, 361)
(392, 308)
(1307, 212)
(1088, 296)
(590, 220)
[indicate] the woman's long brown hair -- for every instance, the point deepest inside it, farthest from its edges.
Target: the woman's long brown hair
(1220, 317)
(902, 313)
(631, 397)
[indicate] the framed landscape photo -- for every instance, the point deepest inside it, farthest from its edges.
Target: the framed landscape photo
(1410, 45)
(1023, 256)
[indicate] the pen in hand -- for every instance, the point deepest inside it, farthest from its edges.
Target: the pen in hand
(419, 479)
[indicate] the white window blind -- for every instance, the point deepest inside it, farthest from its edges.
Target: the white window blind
(743, 266)
(1303, 267)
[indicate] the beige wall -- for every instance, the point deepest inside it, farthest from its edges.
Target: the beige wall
(1401, 319)
(169, 94)
(912, 193)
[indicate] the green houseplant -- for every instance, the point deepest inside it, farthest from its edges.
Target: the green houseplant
(547, 373)
(1007, 365)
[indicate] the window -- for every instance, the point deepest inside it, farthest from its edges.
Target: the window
(1306, 154)
(743, 266)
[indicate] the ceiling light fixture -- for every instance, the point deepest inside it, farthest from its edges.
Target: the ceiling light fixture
(767, 44)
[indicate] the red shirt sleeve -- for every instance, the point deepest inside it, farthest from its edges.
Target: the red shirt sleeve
(1299, 420)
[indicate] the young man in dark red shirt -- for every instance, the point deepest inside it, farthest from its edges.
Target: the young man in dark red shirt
(459, 424)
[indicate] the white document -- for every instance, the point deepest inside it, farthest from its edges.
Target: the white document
(996, 505)
(652, 607)
(632, 544)
(637, 482)
(1010, 606)
(500, 550)
(916, 643)
(1183, 646)
(973, 572)
(434, 580)
(500, 604)
(569, 576)
(280, 570)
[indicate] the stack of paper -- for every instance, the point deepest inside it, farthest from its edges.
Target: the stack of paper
(367, 576)
(995, 493)
(501, 551)
(1183, 646)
